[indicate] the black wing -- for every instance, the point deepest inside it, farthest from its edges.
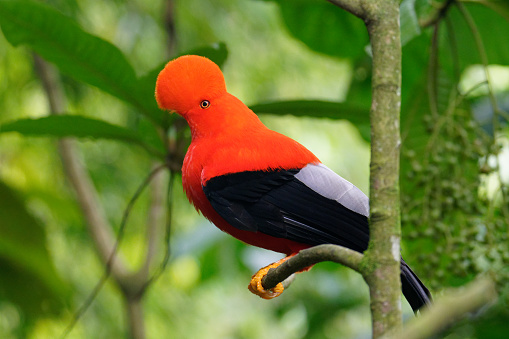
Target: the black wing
(278, 204)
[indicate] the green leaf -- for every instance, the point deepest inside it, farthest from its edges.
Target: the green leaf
(328, 29)
(324, 27)
(28, 278)
(81, 55)
(68, 125)
(490, 26)
(457, 44)
(358, 116)
(314, 108)
(499, 6)
(75, 126)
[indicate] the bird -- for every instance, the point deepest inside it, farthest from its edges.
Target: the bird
(258, 185)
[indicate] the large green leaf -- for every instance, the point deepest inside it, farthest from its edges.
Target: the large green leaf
(358, 116)
(83, 56)
(329, 29)
(457, 45)
(491, 27)
(499, 6)
(324, 27)
(316, 109)
(409, 21)
(28, 277)
(75, 126)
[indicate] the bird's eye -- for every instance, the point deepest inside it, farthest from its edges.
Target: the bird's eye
(205, 104)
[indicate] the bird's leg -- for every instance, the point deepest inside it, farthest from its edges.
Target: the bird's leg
(255, 286)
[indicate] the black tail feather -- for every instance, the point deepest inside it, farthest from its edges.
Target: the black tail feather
(414, 290)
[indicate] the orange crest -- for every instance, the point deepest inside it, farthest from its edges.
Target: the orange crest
(186, 81)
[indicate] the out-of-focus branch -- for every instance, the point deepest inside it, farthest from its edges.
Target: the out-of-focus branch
(134, 309)
(449, 309)
(132, 285)
(353, 6)
(156, 215)
(96, 222)
(437, 14)
(309, 257)
(169, 24)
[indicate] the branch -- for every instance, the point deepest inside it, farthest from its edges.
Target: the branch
(97, 225)
(169, 25)
(156, 216)
(309, 257)
(132, 285)
(438, 14)
(450, 308)
(134, 310)
(382, 258)
(355, 7)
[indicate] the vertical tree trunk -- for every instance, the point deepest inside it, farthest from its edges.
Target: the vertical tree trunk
(382, 259)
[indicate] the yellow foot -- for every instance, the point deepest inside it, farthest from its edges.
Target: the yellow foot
(255, 286)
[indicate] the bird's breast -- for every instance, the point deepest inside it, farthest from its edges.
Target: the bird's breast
(191, 177)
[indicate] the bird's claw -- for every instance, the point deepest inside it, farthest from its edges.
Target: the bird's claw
(255, 286)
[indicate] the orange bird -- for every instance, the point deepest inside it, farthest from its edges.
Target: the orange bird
(259, 185)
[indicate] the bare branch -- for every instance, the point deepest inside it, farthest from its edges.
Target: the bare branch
(97, 225)
(169, 25)
(355, 7)
(155, 221)
(437, 15)
(309, 257)
(382, 259)
(134, 309)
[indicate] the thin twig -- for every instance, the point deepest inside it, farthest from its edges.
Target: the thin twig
(496, 6)
(155, 219)
(107, 270)
(437, 14)
(169, 25)
(169, 217)
(355, 7)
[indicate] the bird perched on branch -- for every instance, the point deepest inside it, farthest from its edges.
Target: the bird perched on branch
(258, 185)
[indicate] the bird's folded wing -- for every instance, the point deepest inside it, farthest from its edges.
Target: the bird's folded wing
(313, 205)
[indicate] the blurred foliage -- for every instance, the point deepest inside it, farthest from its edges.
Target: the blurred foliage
(28, 278)
(458, 231)
(307, 59)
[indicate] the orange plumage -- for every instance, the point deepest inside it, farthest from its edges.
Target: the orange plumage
(227, 137)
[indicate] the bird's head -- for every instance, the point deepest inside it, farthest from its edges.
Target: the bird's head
(189, 83)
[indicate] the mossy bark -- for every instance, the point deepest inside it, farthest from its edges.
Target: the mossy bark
(382, 259)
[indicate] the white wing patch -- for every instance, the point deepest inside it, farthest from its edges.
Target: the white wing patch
(327, 183)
